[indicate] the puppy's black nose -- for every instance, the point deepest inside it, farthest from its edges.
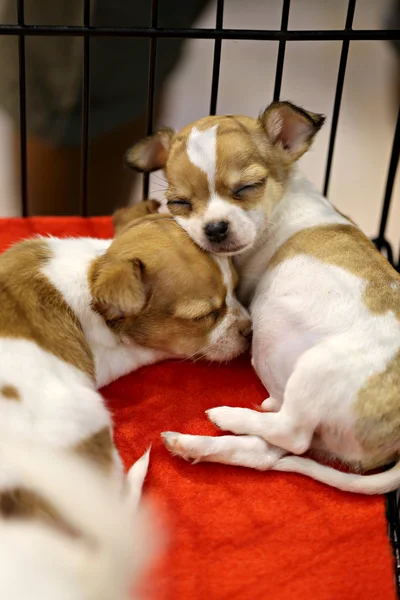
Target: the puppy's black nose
(217, 231)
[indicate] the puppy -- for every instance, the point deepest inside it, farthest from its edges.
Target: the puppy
(325, 304)
(76, 314)
(68, 528)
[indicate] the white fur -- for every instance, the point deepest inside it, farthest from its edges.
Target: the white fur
(39, 562)
(202, 152)
(58, 404)
(59, 407)
(67, 270)
(243, 226)
(307, 209)
(221, 335)
(315, 345)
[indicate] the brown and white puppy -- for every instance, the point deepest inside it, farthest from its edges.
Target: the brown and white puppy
(76, 314)
(325, 304)
(225, 173)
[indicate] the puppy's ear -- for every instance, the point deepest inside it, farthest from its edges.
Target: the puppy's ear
(290, 127)
(117, 287)
(125, 216)
(151, 153)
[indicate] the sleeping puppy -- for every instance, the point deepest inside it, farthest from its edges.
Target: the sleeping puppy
(76, 314)
(325, 304)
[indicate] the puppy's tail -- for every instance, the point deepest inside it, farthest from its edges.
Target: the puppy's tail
(381, 483)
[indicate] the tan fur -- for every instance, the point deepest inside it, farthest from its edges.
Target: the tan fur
(377, 408)
(98, 448)
(21, 503)
(150, 157)
(10, 392)
(174, 292)
(248, 151)
(31, 308)
(126, 216)
(244, 156)
(345, 246)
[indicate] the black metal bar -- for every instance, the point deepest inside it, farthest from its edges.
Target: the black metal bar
(205, 34)
(22, 109)
(384, 247)
(338, 94)
(392, 515)
(217, 59)
(394, 161)
(151, 86)
(281, 50)
(85, 113)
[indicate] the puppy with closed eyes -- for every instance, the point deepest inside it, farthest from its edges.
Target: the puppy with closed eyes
(76, 314)
(325, 304)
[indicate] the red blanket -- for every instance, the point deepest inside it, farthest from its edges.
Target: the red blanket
(235, 533)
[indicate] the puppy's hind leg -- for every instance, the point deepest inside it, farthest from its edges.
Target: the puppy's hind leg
(293, 427)
(245, 451)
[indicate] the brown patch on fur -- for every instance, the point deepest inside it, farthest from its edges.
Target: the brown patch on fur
(347, 247)
(126, 216)
(290, 127)
(378, 411)
(235, 275)
(151, 153)
(98, 448)
(378, 402)
(21, 503)
(33, 309)
(150, 274)
(10, 392)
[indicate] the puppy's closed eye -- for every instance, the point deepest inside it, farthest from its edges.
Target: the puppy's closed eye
(213, 314)
(180, 202)
(200, 310)
(242, 190)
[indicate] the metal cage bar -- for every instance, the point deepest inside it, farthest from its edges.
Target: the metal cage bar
(151, 86)
(153, 33)
(392, 516)
(219, 21)
(338, 94)
(281, 50)
(381, 242)
(22, 108)
(334, 35)
(85, 113)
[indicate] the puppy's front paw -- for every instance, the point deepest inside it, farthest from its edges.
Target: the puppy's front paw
(230, 419)
(270, 405)
(193, 448)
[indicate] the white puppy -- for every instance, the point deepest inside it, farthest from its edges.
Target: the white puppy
(325, 304)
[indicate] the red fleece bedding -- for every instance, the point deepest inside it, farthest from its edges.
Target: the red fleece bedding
(235, 533)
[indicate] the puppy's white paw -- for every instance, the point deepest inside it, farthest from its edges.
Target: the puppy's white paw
(193, 448)
(232, 419)
(270, 405)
